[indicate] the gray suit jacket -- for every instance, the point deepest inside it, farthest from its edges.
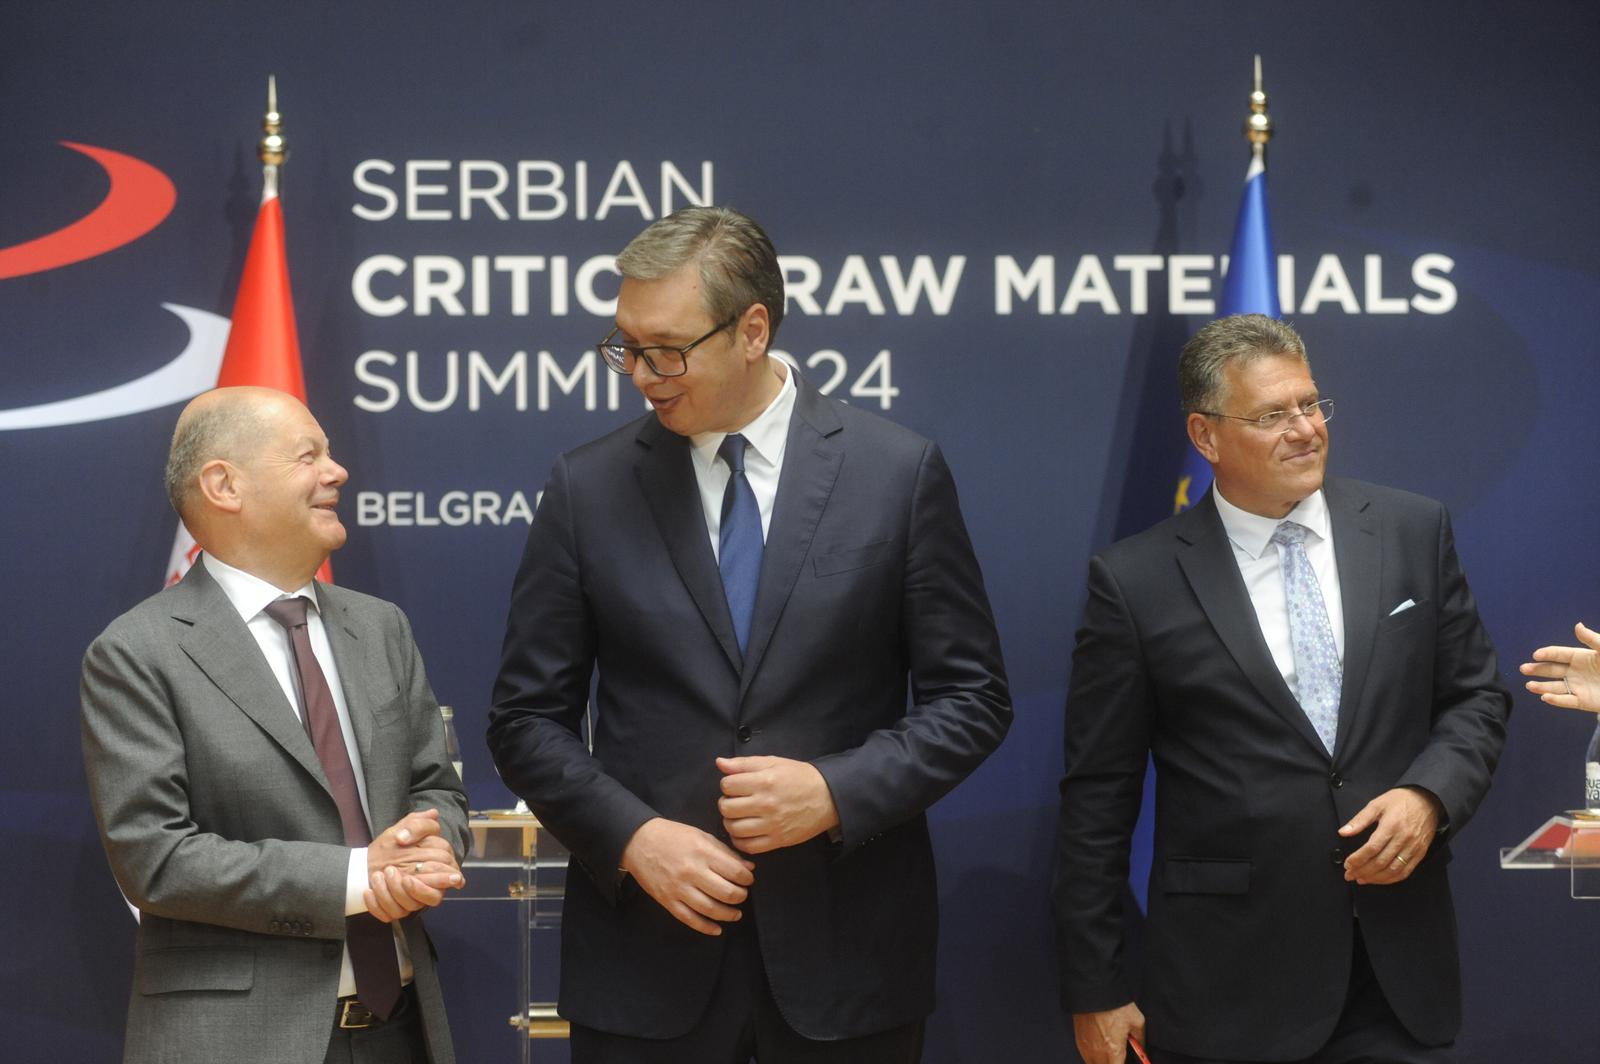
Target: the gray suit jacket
(220, 827)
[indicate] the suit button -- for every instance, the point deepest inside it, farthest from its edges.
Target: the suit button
(1336, 780)
(744, 733)
(273, 926)
(1336, 855)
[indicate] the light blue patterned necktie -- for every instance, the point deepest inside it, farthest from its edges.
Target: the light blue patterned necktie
(1316, 656)
(739, 540)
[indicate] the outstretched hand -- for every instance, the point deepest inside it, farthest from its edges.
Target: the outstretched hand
(1569, 677)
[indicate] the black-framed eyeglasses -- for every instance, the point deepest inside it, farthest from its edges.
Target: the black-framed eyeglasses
(663, 361)
(1281, 421)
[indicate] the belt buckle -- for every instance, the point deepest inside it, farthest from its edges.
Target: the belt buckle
(353, 1015)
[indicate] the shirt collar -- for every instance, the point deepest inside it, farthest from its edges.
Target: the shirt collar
(1251, 532)
(767, 435)
(247, 593)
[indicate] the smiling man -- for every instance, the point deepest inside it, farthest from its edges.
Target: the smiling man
(1302, 661)
(758, 574)
(267, 766)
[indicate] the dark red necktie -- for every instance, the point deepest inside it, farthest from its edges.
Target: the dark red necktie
(370, 941)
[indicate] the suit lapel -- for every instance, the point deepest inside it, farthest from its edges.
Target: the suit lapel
(666, 477)
(1207, 561)
(1358, 549)
(811, 461)
(220, 645)
(357, 654)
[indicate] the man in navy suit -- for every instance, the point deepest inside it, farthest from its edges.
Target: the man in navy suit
(1303, 661)
(758, 574)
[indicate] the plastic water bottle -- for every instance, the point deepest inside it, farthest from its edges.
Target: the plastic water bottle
(452, 745)
(1591, 773)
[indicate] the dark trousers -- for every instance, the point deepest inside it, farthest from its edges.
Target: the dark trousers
(742, 1023)
(1368, 1031)
(397, 1040)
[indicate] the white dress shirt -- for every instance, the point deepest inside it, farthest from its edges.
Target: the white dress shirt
(250, 596)
(1250, 535)
(767, 436)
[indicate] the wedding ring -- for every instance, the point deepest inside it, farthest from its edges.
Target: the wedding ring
(416, 869)
(1399, 859)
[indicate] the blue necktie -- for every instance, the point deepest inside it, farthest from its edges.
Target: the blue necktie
(1316, 656)
(739, 543)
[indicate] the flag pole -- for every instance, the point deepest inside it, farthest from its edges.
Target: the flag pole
(1258, 127)
(273, 150)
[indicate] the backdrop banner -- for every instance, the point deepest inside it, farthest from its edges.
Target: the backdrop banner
(998, 222)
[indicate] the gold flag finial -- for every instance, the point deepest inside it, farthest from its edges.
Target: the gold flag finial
(272, 149)
(1258, 127)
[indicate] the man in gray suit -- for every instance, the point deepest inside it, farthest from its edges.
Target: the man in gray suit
(245, 732)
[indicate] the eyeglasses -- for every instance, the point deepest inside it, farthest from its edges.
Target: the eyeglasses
(663, 361)
(1281, 421)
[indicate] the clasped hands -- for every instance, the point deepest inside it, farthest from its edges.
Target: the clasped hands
(410, 866)
(767, 803)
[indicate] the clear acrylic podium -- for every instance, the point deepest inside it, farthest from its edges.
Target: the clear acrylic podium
(514, 859)
(1568, 841)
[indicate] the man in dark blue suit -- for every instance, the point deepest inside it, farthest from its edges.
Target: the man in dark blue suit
(756, 572)
(1301, 658)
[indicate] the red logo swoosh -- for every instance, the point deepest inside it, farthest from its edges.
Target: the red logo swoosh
(139, 199)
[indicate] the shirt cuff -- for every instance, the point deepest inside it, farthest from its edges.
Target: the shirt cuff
(355, 882)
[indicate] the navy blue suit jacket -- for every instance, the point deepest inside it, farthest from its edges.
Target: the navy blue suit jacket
(868, 581)
(1249, 938)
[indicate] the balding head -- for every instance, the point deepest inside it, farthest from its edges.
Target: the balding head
(251, 474)
(227, 423)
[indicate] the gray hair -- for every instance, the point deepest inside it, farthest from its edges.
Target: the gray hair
(738, 265)
(220, 429)
(1236, 340)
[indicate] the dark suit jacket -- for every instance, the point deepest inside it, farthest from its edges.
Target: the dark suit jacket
(868, 577)
(1249, 938)
(220, 827)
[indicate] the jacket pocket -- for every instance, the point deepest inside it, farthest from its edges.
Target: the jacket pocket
(391, 709)
(1206, 875)
(163, 971)
(842, 561)
(1421, 611)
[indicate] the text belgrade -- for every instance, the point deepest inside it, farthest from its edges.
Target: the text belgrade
(453, 509)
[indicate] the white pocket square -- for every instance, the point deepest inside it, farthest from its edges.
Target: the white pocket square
(1406, 605)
